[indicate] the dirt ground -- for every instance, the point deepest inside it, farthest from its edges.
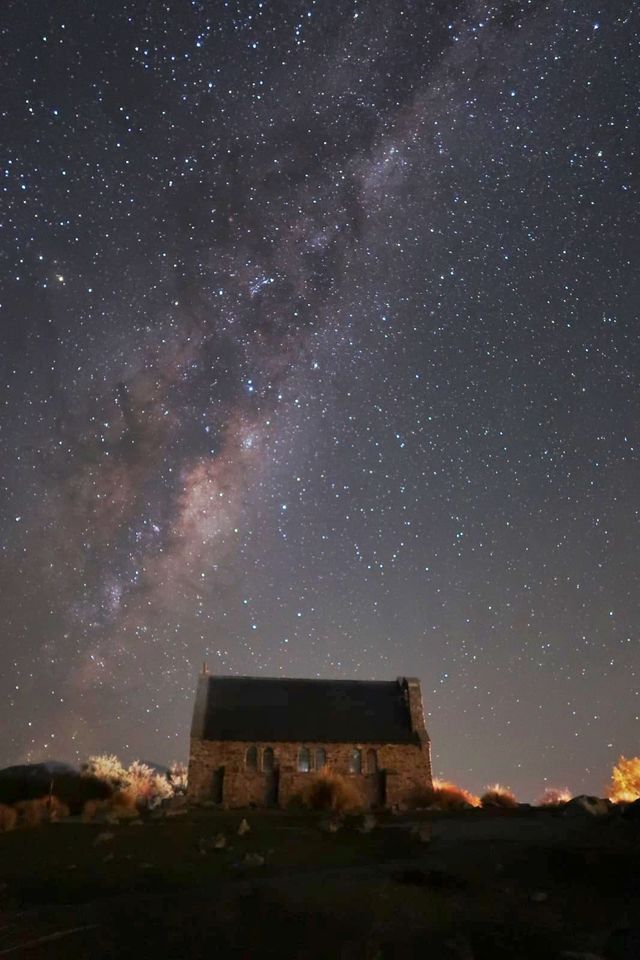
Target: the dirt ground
(484, 886)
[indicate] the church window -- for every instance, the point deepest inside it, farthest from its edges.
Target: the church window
(304, 760)
(355, 763)
(372, 761)
(251, 758)
(267, 759)
(321, 758)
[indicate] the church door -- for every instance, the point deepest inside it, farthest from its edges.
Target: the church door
(217, 785)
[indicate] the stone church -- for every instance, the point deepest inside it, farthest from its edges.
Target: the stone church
(257, 741)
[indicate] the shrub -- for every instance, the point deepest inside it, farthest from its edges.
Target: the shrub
(148, 786)
(498, 796)
(625, 781)
(8, 818)
(106, 767)
(31, 813)
(555, 797)
(47, 809)
(444, 796)
(328, 790)
(178, 777)
(449, 796)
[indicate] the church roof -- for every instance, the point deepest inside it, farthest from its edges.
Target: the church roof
(316, 711)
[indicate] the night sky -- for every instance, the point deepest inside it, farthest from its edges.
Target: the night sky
(319, 356)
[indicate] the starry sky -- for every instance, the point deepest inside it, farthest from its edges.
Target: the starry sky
(319, 356)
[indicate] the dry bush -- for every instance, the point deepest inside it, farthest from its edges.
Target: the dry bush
(449, 796)
(148, 786)
(106, 767)
(8, 818)
(498, 796)
(123, 805)
(555, 797)
(443, 796)
(328, 790)
(31, 813)
(625, 781)
(178, 777)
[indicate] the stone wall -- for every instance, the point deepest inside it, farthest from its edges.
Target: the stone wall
(403, 768)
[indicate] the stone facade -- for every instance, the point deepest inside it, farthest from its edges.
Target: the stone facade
(240, 773)
(391, 773)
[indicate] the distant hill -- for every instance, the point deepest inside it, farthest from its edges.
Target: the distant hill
(49, 768)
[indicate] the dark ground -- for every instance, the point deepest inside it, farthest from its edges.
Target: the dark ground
(488, 886)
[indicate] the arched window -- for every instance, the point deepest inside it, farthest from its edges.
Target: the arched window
(355, 763)
(267, 759)
(304, 760)
(251, 758)
(321, 758)
(372, 761)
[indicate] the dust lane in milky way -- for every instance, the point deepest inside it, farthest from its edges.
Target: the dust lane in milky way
(319, 346)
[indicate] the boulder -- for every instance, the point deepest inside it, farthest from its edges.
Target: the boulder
(243, 828)
(103, 838)
(632, 811)
(588, 806)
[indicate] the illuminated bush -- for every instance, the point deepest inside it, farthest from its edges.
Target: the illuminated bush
(178, 777)
(555, 797)
(136, 784)
(106, 767)
(625, 781)
(327, 790)
(498, 796)
(449, 796)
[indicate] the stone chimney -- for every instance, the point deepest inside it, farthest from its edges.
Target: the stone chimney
(413, 694)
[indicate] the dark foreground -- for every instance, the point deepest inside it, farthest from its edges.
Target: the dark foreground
(487, 886)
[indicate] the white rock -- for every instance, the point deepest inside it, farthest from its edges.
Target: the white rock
(103, 838)
(243, 828)
(368, 823)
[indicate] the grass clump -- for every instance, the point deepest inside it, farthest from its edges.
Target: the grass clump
(330, 791)
(498, 796)
(49, 809)
(444, 796)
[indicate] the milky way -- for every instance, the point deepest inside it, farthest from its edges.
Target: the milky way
(320, 353)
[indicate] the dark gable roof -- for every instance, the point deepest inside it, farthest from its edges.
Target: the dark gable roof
(315, 711)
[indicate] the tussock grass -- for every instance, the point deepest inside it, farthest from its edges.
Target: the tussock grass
(328, 790)
(498, 796)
